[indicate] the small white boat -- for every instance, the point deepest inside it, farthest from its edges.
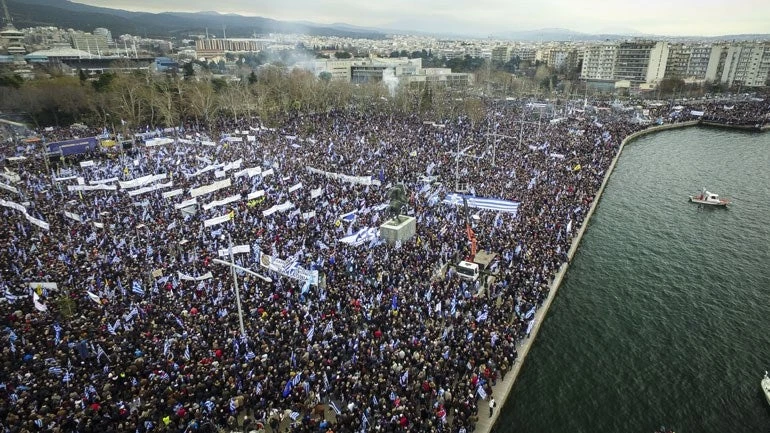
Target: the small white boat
(709, 198)
(766, 387)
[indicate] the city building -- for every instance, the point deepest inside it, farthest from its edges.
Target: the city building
(213, 47)
(392, 71)
(641, 62)
(599, 62)
(746, 65)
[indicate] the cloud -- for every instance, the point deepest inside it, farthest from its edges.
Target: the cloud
(681, 17)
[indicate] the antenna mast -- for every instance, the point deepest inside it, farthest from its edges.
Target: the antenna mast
(6, 15)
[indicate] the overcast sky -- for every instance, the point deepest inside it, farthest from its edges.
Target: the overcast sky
(660, 17)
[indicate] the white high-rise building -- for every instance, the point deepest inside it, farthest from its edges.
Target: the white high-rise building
(599, 62)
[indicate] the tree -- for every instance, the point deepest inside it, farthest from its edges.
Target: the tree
(342, 55)
(189, 70)
(325, 76)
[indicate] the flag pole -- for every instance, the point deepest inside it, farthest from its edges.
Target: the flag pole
(235, 285)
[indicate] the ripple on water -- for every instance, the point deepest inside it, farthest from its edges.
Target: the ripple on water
(663, 317)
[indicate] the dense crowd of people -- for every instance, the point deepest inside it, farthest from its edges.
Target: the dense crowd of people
(141, 331)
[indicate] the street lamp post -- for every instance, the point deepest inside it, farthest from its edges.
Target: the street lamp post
(233, 267)
(235, 284)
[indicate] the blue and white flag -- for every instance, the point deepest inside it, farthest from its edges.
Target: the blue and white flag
(483, 203)
(187, 352)
(335, 408)
(136, 287)
(296, 379)
(233, 406)
(404, 378)
(294, 416)
(329, 328)
(57, 336)
(310, 333)
(112, 328)
(209, 405)
(287, 389)
(482, 316)
(480, 391)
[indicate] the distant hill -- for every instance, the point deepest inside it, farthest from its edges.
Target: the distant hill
(67, 14)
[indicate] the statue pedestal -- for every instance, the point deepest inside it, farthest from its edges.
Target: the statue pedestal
(393, 230)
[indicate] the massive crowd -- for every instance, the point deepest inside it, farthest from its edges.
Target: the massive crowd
(141, 332)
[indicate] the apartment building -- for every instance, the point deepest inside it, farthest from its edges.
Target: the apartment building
(599, 62)
(746, 65)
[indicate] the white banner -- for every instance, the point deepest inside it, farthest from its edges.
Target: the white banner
(222, 202)
(308, 215)
(295, 272)
(62, 179)
(205, 169)
(207, 189)
(144, 180)
(216, 221)
(238, 249)
(88, 163)
(9, 188)
(316, 192)
(267, 173)
(186, 203)
(155, 187)
(359, 180)
(91, 187)
(255, 194)
(158, 142)
(184, 277)
(11, 176)
(103, 181)
(174, 193)
(43, 285)
(295, 187)
(73, 216)
(278, 208)
(40, 223)
(249, 172)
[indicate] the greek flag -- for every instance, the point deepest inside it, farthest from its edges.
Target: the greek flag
(233, 407)
(404, 378)
(297, 378)
(481, 392)
(483, 203)
(294, 416)
(187, 352)
(310, 333)
(394, 302)
(482, 316)
(67, 377)
(335, 408)
(329, 328)
(56, 371)
(250, 355)
(100, 352)
(364, 420)
(136, 287)
(393, 396)
(114, 327)
(10, 297)
(209, 405)
(57, 337)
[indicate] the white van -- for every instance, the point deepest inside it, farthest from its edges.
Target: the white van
(468, 270)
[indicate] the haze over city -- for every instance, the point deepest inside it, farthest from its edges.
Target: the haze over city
(484, 17)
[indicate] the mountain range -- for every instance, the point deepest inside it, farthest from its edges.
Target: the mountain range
(68, 14)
